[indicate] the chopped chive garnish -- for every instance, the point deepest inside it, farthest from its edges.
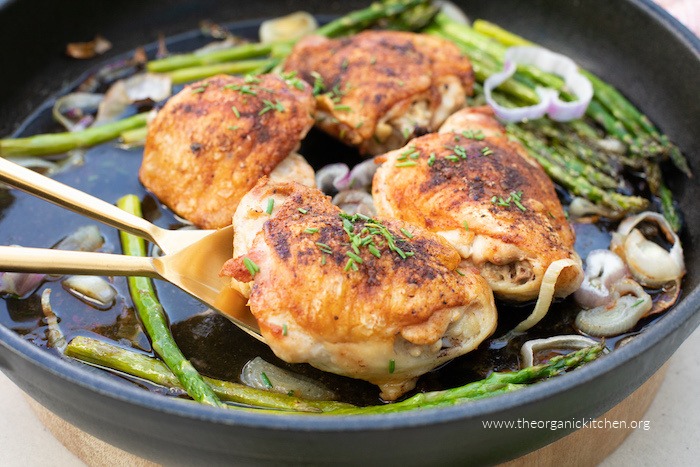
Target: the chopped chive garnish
(406, 232)
(406, 132)
(342, 107)
(323, 260)
(303, 211)
(486, 151)
(431, 159)
(409, 254)
(349, 264)
(638, 302)
(392, 365)
(284, 329)
(233, 127)
(373, 250)
(251, 266)
(476, 135)
(270, 205)
(311, 230)
(269, 105)
(466, 225)
(235, 111)
(359, 125)
(516, 196)
(354, 257)
(460, 151)
(452, 158)
(406, 164)
(266, 381)
(324, 247)
(199, 89)
(459, 272)
(319, 86)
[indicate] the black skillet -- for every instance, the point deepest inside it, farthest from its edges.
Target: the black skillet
(631, 43)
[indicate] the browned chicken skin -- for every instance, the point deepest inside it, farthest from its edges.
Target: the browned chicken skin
(369, 312)
(484, 194)
(380, 88)
(213, 141)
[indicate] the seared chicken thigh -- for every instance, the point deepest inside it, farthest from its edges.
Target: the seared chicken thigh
(378, 89)
(376, 300)
(485, 195)
(213, 141)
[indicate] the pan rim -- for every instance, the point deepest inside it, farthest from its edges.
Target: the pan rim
(681, 315)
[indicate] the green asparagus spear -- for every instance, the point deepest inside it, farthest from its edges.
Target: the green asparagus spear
(576, 184)
(198, 59)
(185, 75)
(649, 141)
(141, 366)
(154, 320)
(56, 143)
(353, 21)
(136, 364)
(496, 383)
(366, 17)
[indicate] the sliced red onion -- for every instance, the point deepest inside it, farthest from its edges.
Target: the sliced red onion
(568, 342)
(53, 334)
(20, 284)
(330, 175)
(603, 270)
(75, 111)
(86, 238)
(632, 303)
(287, 28)
(125, 92)
(549, 104)
(260, 374)
(650, 264)
(94, 290)
(360, 176)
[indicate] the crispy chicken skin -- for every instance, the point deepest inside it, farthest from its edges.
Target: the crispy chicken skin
(381, 88)
(213, 141)
(386, 319)
(483, 193)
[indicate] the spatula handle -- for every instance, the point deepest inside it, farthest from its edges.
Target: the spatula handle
(18, 259)
(55, 192)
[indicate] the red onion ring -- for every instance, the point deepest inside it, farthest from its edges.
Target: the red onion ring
(550, 103)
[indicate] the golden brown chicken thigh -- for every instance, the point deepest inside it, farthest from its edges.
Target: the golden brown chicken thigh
(377, 89)
(376, 300)
(482, 192)
(213, 141)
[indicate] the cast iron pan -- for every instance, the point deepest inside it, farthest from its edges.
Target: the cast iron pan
(631, 43)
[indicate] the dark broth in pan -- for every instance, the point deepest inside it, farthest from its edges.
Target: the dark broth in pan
(212, 343)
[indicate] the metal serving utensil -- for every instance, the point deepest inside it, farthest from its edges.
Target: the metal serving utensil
(82, 203)
(192, 261)
(194, 269)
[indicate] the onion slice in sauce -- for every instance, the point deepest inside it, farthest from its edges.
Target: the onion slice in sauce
(631, 304)
(258, 373)
(546, 296)
(650, 264)
(603, 270)
(550, 103)
(94, 290)
(568, 342)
